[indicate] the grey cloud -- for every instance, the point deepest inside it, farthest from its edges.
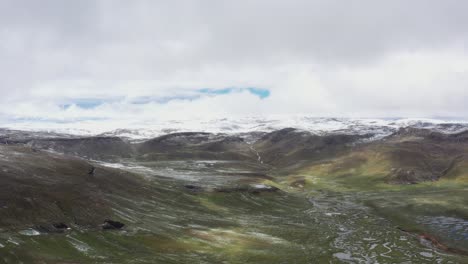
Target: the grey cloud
(190, 33)
(112, 41)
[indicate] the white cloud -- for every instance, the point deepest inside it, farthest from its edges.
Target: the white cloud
(321, 58)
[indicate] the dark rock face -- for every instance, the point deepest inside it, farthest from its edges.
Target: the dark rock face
(112, 225)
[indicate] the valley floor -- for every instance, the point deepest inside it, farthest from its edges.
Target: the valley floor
(235, 212)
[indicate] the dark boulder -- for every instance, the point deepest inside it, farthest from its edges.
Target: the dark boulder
(52, 228)
(112, 225)
(254, 189)
(61, 226)
(193, 188)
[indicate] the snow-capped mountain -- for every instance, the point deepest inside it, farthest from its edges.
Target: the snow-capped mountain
(245, 125)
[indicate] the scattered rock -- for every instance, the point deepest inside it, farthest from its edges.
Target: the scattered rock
(92, 171)
(298, 183)
(403, 230)
(231, 190)
(433, 242)
(112, 225)
(429, 240)
(259, 188)
(193, 188)
(61, 226)
(53, 228)
(255, 189)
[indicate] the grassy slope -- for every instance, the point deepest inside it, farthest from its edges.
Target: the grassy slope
(368, 172)
(212, 226)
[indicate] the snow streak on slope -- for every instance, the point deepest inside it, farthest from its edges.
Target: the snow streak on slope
(150, 129)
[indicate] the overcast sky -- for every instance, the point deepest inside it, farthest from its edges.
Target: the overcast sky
(111, 60)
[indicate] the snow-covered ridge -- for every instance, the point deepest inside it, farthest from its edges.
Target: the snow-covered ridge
(141, 131)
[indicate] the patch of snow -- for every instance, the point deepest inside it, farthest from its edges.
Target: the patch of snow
(29, 232)
(343, 256)
(79, 245)
(261, 186)
(13, 241)
(332, 214)
(269, 238)
(245, 126)
(426, 254)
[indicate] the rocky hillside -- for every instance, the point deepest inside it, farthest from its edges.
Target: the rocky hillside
(194, 145)
(39, 188)
(410, 155)
(181, 193)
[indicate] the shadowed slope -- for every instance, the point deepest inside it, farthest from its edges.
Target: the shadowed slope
(40, 188)
(195, 145)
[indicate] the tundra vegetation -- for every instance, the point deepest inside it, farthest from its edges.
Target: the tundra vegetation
(288, 196)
